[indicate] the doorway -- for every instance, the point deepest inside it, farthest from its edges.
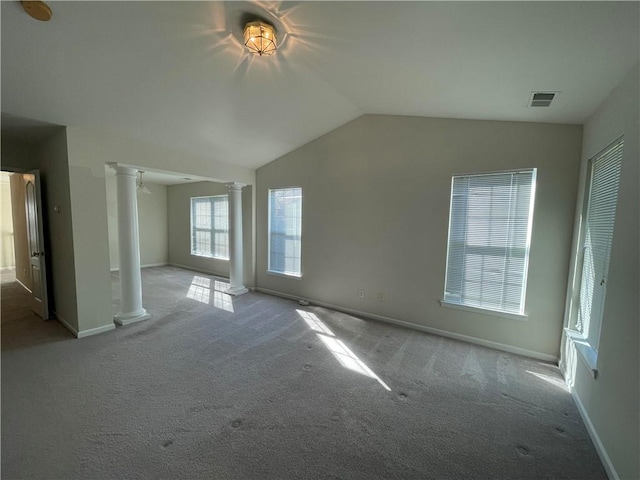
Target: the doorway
(7, 249)
(22, 252)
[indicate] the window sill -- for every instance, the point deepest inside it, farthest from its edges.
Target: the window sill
(484, 311)
(209, 256)
(586, 351)
(286, 275)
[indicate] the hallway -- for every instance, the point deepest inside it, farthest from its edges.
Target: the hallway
(21, 327)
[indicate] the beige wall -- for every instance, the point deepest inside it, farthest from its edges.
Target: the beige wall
(54, 172)
(611, 401)
(7, 252)
(376, 210)
(152, 223)
(89, 151)
(17, 154)
(179, 210)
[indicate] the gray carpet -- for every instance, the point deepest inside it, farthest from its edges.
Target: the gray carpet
(270, 392)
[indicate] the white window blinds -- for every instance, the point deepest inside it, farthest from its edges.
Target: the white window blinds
(489, 236)
(210, 226)
(602, 198)
(285, 230)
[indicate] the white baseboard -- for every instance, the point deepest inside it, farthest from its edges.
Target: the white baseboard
(24, 286)
(595, 438)
(66, 324)
(95, 331)
(83, 333)
(200, 270)
(443, 333)
(148, 265)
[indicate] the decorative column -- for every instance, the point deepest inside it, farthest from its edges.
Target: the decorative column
(236, 280)
(129, 248)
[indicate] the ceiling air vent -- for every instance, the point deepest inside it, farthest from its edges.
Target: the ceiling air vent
(541, 99)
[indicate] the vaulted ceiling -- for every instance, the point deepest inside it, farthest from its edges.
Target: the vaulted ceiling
(176, 73)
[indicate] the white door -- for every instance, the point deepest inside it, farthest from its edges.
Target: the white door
(35, 239)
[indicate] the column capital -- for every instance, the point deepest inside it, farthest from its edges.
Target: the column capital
(124, 170)
(235, 186)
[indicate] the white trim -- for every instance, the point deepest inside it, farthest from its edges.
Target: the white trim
(200, 270)
(148, 265)
(126, 320)
(602, 452)
(66, 324)
(24, 286)
(236, 292)
(586, 351)
(151, 265)
(485, 311)
(435, 331)
(95, 331)
(222, 259)
(495, 172)
(83, 333)
(285, 275)
(215, 275)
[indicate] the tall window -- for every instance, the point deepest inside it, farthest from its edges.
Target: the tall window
(285, 230)
(489, 236)
(210, 226)
(597, 236)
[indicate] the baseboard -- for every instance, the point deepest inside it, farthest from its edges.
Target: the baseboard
(595, 438)
(66, 324)
(24, 286)
(200, 270)
(435, 331)
(95, 331)
(148, 265)
(83, 333)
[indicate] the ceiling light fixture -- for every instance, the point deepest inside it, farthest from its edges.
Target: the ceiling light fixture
(142, 188)
(38, 10)
(260, 38)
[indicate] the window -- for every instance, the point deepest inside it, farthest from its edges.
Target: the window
(285, 231)
(489, 236)
(601, 199)
(210, 227)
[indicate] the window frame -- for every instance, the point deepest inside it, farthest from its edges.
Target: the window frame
(298, 238)
(583, 341)
(212, 230)
(520, 315)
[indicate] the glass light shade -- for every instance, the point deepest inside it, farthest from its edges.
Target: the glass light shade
(141, 187)
(260, 38)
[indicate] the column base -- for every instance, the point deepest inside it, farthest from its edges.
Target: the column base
(236, 291)
(122, 319)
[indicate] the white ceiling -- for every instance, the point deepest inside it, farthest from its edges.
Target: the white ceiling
(176, 74)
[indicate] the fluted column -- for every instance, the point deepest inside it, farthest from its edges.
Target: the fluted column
(131, 309)
(236, 279)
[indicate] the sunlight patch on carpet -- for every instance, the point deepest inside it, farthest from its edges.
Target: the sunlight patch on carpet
(553, 381)
(200, 291)
(340, 351)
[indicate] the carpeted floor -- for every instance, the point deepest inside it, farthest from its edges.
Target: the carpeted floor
(257, 387)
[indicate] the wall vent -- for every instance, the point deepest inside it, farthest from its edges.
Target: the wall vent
(541, 99)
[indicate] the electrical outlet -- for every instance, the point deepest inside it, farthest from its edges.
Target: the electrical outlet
(361, 293)
(380, 297)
